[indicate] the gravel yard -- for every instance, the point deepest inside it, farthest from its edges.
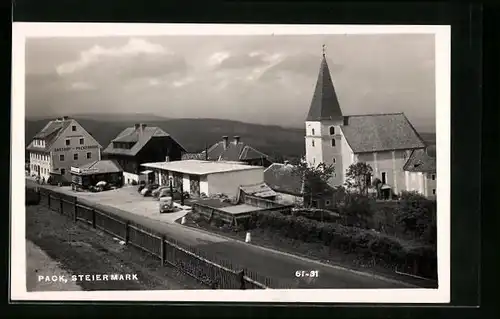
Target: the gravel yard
(77, 249)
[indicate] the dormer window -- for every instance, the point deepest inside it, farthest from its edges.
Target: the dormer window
(332, 130)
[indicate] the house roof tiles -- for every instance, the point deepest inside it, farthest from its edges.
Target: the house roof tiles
(140, 136)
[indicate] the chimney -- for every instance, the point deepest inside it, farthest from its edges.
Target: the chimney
(65, 118)
(236, 139)
(346, 120)
(143, 126)
(167, 159)
(136, 126)
(225, 139)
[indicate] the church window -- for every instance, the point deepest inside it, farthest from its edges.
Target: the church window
(384, 175)
(312, 131)
(312, 143)
(333, 143)
(332, 130)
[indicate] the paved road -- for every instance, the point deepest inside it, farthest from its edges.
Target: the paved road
(269, 263)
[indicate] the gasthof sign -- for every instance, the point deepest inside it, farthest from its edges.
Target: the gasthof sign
(77, 148)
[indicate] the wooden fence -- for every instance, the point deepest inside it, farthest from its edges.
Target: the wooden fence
(211, 271)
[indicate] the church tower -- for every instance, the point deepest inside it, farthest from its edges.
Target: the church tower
(323, 134)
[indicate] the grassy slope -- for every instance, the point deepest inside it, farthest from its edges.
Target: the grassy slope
(79, 249)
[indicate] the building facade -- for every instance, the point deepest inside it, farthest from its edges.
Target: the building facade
(92, 173)
(141, 144)
(207, 177)
(384, 141)
(63, 143)
(420, 173)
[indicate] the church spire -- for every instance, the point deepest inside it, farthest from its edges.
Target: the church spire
(324, 104)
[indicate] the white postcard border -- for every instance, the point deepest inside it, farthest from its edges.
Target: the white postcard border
(443, 110)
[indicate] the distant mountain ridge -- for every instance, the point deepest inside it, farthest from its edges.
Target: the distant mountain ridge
(196, 134)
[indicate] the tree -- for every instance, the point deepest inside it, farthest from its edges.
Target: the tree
(358, 177)
(417, 215)
(315, 178)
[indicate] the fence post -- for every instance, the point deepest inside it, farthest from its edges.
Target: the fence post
(127, 232)
(75, 209)
(61, 203)
(93, 217)
(163, 250)
(241, 277)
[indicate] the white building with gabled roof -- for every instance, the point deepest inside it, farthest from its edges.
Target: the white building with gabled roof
(63, 143)
(207, 177)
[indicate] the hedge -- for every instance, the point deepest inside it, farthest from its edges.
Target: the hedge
(368, 245)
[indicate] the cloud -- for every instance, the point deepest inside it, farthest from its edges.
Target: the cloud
(183, 82)
(253, 59)
(97, 53)
(137, 58)
(81, 86)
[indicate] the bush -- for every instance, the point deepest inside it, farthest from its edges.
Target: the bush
(417, 215)
(356, 209)
(366, 244)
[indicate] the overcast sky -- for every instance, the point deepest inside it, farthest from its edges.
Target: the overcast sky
(260, 79)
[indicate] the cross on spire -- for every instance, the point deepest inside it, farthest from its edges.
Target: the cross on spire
(323, 48)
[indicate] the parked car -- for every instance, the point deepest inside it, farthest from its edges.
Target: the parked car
(159, 190)
(148, 189)
(166, 205)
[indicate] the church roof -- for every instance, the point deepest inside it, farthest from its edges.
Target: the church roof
(380, 132)
(324, 104)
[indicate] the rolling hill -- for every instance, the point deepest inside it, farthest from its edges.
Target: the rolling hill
(195, 134)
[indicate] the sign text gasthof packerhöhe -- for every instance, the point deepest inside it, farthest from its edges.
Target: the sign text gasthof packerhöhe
(76, 148)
